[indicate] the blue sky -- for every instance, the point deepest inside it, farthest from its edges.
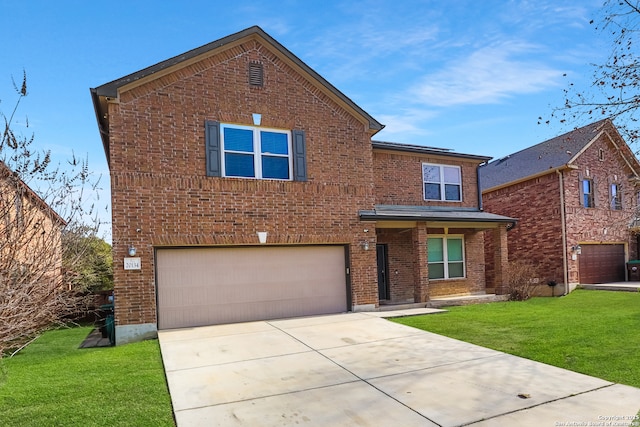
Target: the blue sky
(469, 75)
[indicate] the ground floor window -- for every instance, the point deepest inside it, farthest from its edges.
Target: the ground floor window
(445, 257)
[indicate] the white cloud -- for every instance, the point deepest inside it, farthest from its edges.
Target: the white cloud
(487, 76)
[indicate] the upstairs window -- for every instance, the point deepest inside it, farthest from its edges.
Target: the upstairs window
(616, 197)
(587, 193)
(442, 182)
(445, 257)
(255, 152)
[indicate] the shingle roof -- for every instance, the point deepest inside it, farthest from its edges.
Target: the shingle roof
(431, 213)
(548, 155)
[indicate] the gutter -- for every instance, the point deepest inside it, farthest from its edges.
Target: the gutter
(565, 263)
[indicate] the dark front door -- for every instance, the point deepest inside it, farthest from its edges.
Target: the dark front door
(383, 282)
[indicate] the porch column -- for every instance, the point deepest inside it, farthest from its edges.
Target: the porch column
(420, 266)
(500, 260)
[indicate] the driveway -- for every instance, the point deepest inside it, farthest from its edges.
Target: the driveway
(358, 369)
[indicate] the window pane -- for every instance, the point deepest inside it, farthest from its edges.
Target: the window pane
(432, 192)
(451, 192)
(435, 252)
(586, 186)
(456, 269)
(239, 165)
(274, 143)
(238, 139)
(275, 167)
(452, 175)
(436, 271)
(454, 249)
(431, 173)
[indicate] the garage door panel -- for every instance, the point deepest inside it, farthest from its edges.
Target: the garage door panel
(204, 286)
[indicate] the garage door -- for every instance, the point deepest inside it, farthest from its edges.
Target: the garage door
(208, 286)
(602, 264)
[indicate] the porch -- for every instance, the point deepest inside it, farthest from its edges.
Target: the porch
(435, 256)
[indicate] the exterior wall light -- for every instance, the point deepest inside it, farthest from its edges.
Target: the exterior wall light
(132, 251)
(365, 245)
(577, 249)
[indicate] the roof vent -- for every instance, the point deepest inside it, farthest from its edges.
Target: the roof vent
(256, 74)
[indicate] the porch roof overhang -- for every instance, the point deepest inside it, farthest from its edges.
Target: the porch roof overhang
(392, 216)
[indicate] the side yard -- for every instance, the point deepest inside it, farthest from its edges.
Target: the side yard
(54, 383)
(591, 332)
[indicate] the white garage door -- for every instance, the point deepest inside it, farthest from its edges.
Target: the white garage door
(208, 286)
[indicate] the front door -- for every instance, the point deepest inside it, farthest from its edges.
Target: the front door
(383, 283)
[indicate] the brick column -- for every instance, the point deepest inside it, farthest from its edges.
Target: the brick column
(420, 267)
(500, 260)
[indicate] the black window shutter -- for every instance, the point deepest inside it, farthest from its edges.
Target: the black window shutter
(213, 151)
(299, 156)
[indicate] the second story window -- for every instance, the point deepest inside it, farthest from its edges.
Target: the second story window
(442, 182)
(616, 197)
(587, 193)
(251, 152)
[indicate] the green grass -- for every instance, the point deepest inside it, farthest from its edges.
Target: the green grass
(591, 332)
(53, 383)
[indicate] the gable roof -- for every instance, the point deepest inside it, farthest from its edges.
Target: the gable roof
(6, 173)
(548, 156)
(101, 94)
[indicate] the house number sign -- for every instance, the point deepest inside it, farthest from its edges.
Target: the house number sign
(132, 264)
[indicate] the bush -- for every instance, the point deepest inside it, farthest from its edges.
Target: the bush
(520, 275)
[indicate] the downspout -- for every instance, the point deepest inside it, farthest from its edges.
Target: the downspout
(565, 268)
(480, 188)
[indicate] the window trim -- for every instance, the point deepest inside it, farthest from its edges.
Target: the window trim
(445, 255)
(257, 152)
(442, 183)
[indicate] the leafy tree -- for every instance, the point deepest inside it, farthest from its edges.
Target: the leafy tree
(87, 259)
(615, 89)
(39, 202)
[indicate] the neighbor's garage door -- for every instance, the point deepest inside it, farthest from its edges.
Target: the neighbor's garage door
(602, 263)
(207, 286)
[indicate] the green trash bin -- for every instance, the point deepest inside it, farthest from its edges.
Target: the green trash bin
(633, 270)
(109, 323)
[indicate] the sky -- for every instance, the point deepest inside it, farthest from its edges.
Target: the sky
(472, 76)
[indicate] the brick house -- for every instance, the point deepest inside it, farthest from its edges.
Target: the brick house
(245, 186)
(576, 198)
(30, 233)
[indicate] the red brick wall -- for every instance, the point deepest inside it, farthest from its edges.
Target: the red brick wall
(158, 177)
(398, 179)
(537, 238)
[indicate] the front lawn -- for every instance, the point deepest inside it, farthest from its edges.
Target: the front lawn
(592, 332)
(53, 383)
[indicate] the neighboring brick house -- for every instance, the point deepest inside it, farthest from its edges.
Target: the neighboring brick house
(576, 198)
(30, 233)
(250, 189)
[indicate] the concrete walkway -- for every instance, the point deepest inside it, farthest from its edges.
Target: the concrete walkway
(358, 369)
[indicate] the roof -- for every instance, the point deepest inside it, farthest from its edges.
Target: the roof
(429, 213)
(6, 172)
(101, 93)
(553, 154)
(383, 145)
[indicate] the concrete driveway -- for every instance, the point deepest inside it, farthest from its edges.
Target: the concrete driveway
(358, 369)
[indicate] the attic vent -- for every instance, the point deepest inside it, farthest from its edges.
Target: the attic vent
(256, 74)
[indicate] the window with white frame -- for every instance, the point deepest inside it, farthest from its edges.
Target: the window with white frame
(587, 193)
(442, 182)
(445, 257)
(252, 152)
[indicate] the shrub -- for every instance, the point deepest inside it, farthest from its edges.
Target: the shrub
(520, 275)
